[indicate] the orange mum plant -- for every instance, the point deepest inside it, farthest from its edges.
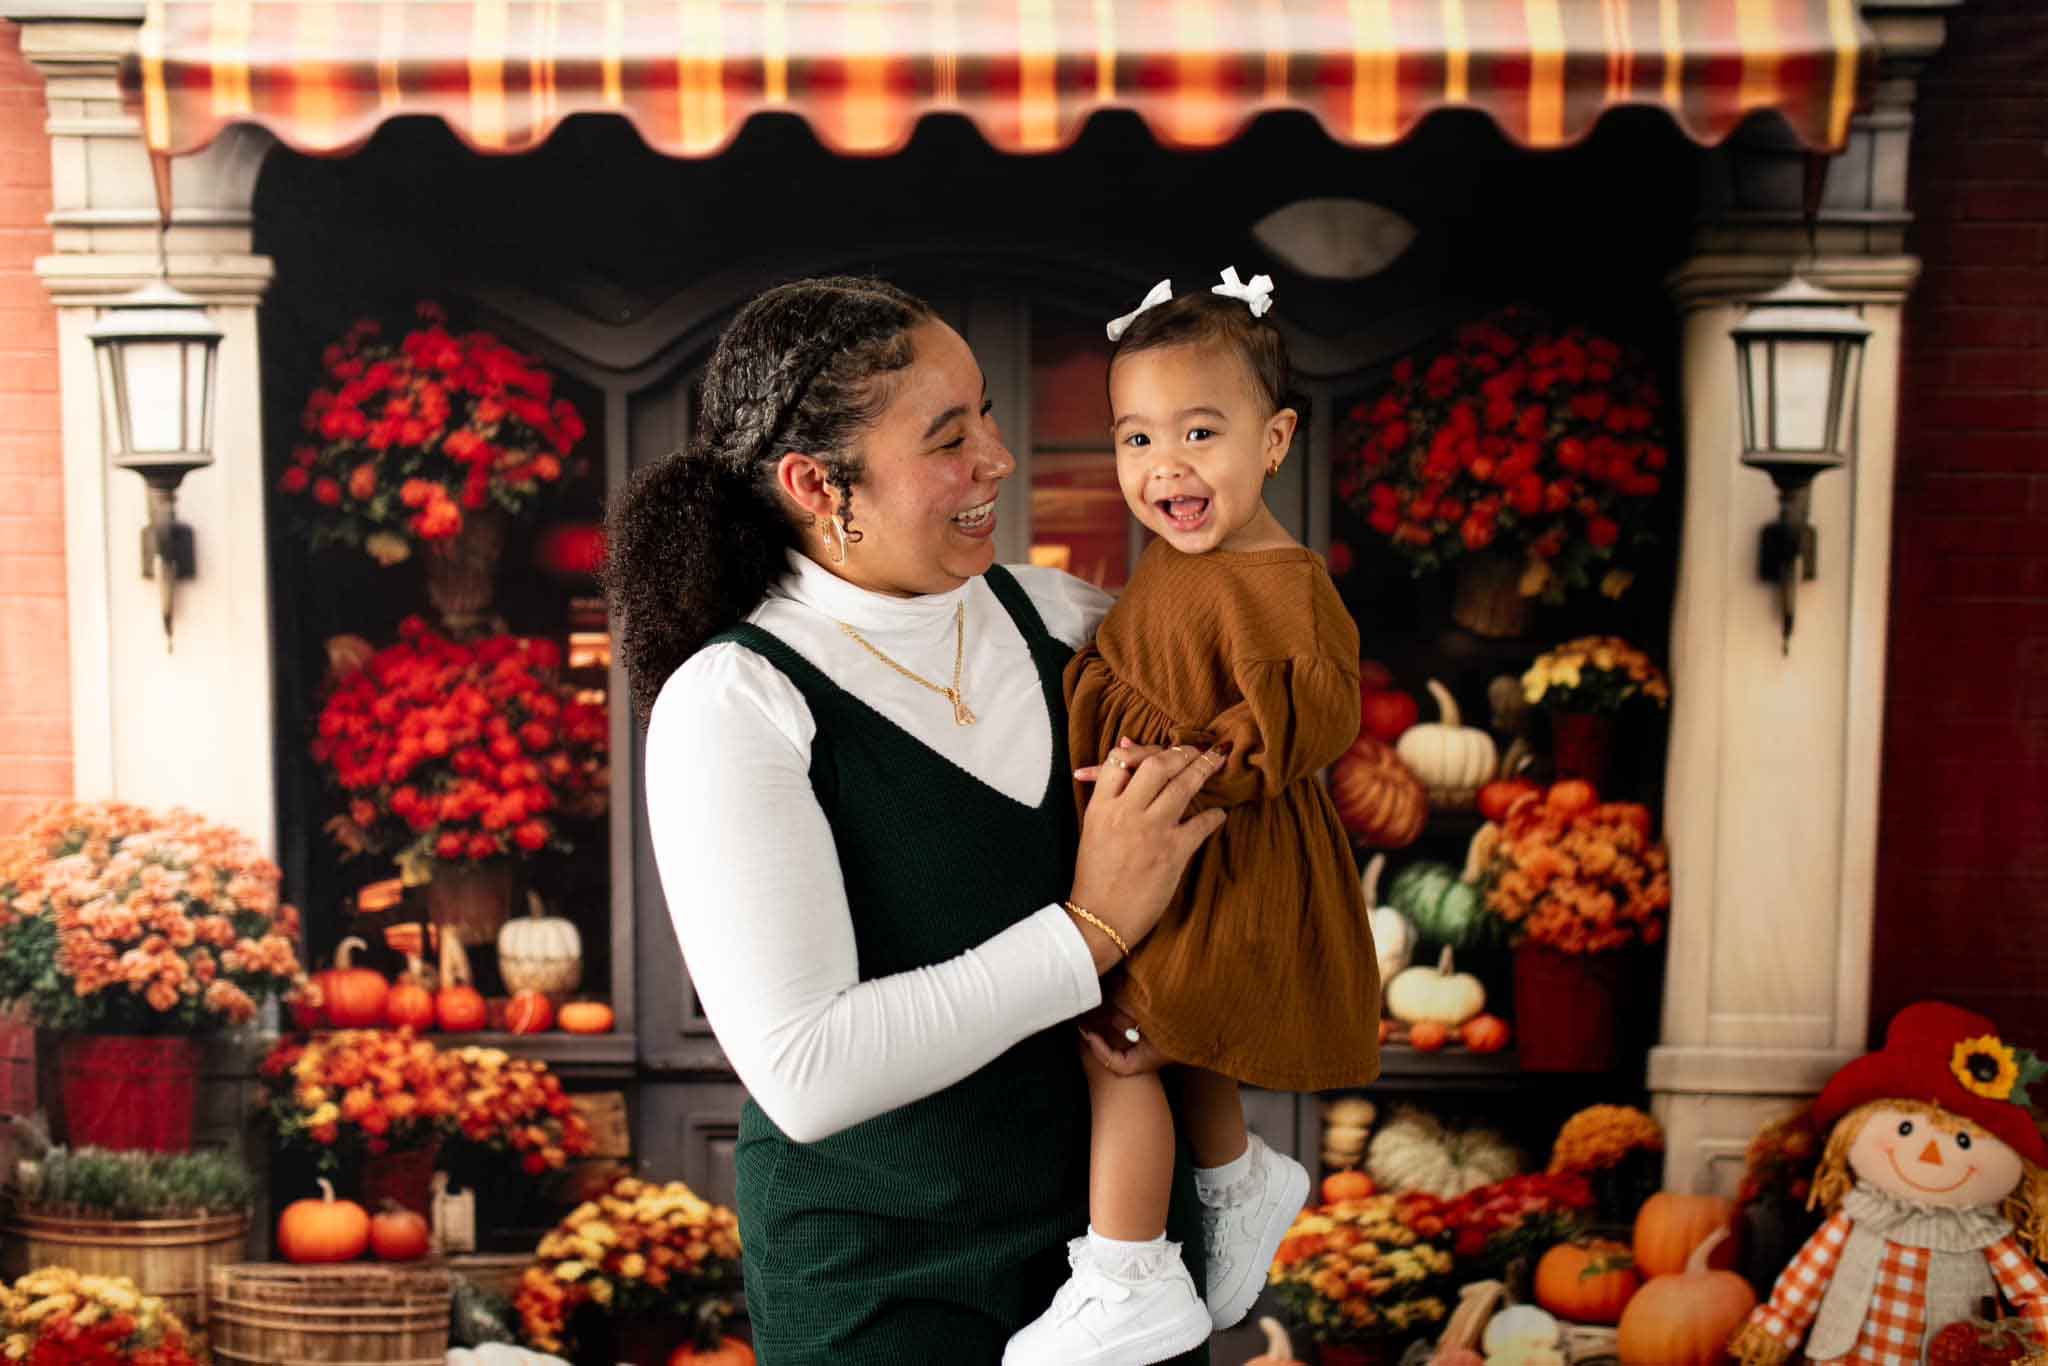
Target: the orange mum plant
(1366, 1270)
(54, 1316)
(119, 920)
(1577, 874)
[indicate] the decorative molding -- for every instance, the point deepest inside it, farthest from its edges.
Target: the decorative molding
(1705, 1069)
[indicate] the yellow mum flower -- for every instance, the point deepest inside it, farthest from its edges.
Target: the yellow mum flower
(632, 1266)
(569, 1271)
(1985, 1066)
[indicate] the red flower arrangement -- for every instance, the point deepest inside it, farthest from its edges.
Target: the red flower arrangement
(1518, 436)
(1519, 1217)
(1577, 874)
(458, 752)
(55, 1316)
(403, 440)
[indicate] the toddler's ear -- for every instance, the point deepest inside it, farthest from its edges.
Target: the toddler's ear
(1280, 435)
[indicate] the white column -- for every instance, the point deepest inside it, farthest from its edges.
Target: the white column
(189, 725)
(1771, 798)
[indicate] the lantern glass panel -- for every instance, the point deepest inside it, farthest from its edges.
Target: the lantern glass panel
(113, 425)
(156, 395)
(1753, 377)
(1802, 374)
(1850, 364)
(198, 360)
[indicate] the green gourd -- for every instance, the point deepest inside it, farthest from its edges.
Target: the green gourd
(1447, 906)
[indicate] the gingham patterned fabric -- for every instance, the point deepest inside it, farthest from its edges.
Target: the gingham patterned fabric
(323, 74)
(1896, 1323)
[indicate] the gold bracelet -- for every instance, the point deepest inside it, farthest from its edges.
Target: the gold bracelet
(1083, 913)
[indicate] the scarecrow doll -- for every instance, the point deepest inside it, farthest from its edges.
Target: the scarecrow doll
(1933, 1179)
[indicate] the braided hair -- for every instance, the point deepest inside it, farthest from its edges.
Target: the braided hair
(694, 541)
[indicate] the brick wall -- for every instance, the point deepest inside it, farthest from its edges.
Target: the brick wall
(35, 687)
(1962, 903)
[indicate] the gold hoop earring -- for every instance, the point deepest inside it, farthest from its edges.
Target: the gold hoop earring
(835, 538)
(1272, 471)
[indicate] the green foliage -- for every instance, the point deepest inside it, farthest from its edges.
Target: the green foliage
(135, 1185)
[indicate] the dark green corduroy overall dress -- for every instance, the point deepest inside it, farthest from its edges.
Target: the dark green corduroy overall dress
(928, 1235)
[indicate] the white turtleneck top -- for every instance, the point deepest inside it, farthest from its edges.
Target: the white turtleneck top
(752, 880)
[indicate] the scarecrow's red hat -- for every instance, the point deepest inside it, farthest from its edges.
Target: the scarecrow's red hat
(1953, 1058)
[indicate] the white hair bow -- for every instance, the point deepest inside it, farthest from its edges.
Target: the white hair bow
(1257, 293)
(1160, 293)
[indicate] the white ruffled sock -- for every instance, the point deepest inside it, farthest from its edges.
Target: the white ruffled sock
(1128, 1261)
(1214, 1181)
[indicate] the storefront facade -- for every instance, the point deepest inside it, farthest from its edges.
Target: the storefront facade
(1771, 795)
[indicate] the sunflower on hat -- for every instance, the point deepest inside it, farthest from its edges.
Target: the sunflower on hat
(1994, 1069)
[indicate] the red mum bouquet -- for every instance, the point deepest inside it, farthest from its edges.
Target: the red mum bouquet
(1519, 436)
(517, 1107)
(359, 1092)
(458, 752)
(404, 440)
(1520, 1217)
(55, 1316)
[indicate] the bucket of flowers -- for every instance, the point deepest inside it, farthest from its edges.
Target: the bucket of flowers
(1586, 686)
(1618, 1150)
(1364, 1277)
(1499, 1231)
(1525, 455)
(514, 1126)
(430, 440)
(374, 1103)
(133, 934)
(656, 1265)
(55, 1314)
(459, 760)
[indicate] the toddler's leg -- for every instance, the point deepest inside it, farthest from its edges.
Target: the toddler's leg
(1213, 1112)
(1250, 1194)
(1130, 1159)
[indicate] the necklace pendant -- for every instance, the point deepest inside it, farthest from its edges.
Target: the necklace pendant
(961, 716)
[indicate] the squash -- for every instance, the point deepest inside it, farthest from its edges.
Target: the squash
(1393, 934)
(323, 1230)
(585, 1017)
(1669, 1226)
(1477, 1303)
(1414, 1151)
(728, 1352)
(529, 1012)
(1377, 798)
(1279, 1347)
(570, 549)
(410, 1003)
(1451, 759)
(1429, 1036)
(398, 1234)
(540, 952)
(1587, 1282)
(352, 997)
(1496, 797)
(1346, 1122)
(1347, 1185)
(1521, 1323)
(1456, 1356)
(1386, 714)
(1508, 706)
(1440, 995)
(1484, 1033)
(458, 1006)
(1446, 905)
(1686, 1319)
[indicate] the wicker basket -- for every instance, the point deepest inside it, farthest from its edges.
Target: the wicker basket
(168, 1258)
(266, 1314)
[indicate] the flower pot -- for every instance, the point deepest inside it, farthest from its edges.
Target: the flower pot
(170, 1258)
(405, 1176)
(473, 900)
(128, 1091)
(462, 571)
(1581, 745)
(1487, 598)
(1357, 1353)
(1568, 1007)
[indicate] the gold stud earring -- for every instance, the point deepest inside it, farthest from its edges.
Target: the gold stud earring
(1272, 471)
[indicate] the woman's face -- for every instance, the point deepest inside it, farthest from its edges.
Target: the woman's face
(1939, 1160)
(925, 506)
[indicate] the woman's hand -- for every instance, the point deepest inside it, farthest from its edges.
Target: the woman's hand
(1107, 1033)
(1136, 839)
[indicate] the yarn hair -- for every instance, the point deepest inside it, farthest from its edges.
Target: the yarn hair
(2026, 1207)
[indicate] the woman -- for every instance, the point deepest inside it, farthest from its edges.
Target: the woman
(859, 805)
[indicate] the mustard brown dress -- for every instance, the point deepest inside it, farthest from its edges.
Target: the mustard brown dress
(1263, 968)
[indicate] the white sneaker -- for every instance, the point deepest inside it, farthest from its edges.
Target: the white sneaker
(1100, 1319)
(1243, 1224)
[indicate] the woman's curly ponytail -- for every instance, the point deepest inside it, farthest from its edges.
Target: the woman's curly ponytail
(693, 542)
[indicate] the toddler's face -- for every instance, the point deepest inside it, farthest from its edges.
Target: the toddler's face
(1193, 444)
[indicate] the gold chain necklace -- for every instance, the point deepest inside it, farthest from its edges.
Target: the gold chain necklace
(961, 716)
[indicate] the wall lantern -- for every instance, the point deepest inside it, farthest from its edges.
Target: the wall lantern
(155, 349)
(1799, 358)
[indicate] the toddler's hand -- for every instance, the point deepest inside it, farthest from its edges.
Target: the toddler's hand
(1113, 1038)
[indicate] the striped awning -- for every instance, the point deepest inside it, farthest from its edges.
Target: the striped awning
(323, 74)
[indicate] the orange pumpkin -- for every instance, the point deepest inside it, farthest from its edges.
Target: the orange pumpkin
(1589, 1282)
(398, 1234)
(1428, 1036)
(529, 1012)
(323, 1230)
(410, 1004)
(457, 1005)
(1352, 1185)
(1377, 798)
(1571, 796)
(728, 1352)
(1686, 1319)
(352, 997)
(1484, 1033)
(1279, 1347)
(585, 1017)
(1671, 1225)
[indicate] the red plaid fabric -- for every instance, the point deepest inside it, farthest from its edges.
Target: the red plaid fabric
(1896, 1323)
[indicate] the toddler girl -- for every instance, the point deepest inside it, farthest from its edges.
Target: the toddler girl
(1230, 632)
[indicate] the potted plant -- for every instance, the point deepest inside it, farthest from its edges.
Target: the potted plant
(1772, 1201)
(657, 1263)
(513, 1127)
(132, 934)
(1499, 1231)
(1363, 1277)
(1577, 881)
(1585, 685)
(460, 760)
(160, 1219)
(57, 1314)
(1619, 1151)
(430, 441)
(1525, 455)
(371, 1102)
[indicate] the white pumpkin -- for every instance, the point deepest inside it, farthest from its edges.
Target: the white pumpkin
(540, 952)
(1453, 760)
(1413, 1151)
(1523, 1325)
(1393, 934)
(1440, 993)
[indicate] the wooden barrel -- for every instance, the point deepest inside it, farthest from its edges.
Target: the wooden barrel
(168, 1258)
(267, 1314)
